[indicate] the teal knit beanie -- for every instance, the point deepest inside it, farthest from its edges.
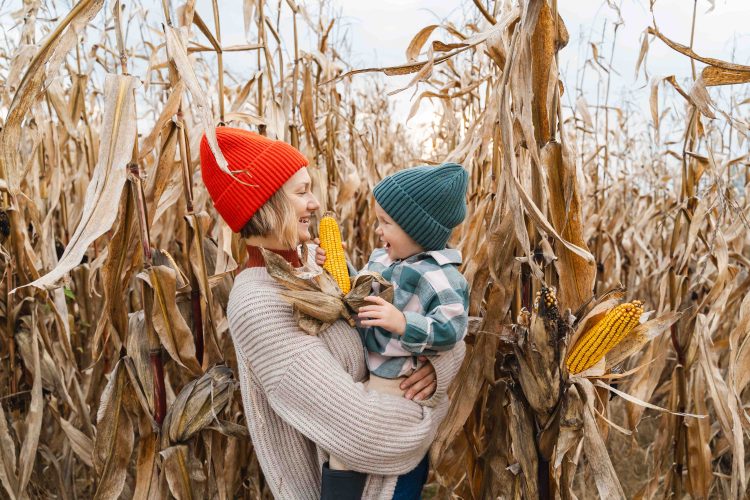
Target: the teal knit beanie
(427, 202)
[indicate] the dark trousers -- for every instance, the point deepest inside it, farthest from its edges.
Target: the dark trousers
(349, 485)
(409, 486)
(341, 484)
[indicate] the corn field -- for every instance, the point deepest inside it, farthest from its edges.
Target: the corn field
(118, 373)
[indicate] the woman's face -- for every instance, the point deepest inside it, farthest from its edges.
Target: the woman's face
(297, 190)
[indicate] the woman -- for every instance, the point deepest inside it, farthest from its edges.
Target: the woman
(302, 394)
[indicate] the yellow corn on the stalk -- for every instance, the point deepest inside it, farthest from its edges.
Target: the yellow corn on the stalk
(330, 241)
(606, 334)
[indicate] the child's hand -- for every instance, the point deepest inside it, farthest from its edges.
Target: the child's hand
(383, 314)
(320, 256)
(320, 253)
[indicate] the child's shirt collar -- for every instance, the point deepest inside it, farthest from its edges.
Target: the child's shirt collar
(441, 257)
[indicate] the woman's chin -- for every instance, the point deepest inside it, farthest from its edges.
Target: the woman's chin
(304, 236)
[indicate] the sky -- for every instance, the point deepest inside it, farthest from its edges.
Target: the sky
(379, 33)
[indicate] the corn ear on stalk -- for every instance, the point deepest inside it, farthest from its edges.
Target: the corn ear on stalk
(330, 241)
(606, 334)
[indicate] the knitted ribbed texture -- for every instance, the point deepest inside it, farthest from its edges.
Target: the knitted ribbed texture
(427, 202)
(260, 165)
(304, 399)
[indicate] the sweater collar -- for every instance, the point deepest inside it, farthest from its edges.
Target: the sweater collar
(255, 257)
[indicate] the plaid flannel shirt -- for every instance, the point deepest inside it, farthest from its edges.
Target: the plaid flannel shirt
(434, 297)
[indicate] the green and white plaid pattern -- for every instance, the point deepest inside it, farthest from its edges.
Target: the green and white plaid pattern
(434, 297)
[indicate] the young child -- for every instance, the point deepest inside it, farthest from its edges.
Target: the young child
(416, 209)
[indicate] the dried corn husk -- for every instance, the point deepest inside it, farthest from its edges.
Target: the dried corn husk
(198, 404)
(316, 297)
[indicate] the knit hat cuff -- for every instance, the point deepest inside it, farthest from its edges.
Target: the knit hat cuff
(410, 216)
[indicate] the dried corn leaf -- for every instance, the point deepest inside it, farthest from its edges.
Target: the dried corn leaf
(166, 169)
(632, 399)
(571, 426)
(406, 69)
(167, 113)
(471, 378)
(55, 93)
(108, 179)
(700, 98)
(416, 44)
(82, 444)
(8, 458)
(739, 341)
(692, 55)
(712, 76)
(698, 435)
(523, 445)
(607, 483)
(146, 471)
(538, 217)
(184, 473)
(27, 455)
(51, 379)
(178, 55)
(55, 45)
(173, 331)
(114, 438)
(725, 406)
(141, 378)
(306, 109)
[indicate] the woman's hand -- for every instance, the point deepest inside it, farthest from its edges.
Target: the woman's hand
(421, 384)
(383, 314)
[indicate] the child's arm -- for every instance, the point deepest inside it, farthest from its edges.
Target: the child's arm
(444, 323)
(439, 329)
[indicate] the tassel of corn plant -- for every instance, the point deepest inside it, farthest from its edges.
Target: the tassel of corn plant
(330, 241)
(606, 334)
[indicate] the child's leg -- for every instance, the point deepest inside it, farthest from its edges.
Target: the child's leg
(335, 464)
(386, 385)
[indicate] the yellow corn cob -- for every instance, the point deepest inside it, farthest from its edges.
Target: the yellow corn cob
(606, 334)
(330, 241)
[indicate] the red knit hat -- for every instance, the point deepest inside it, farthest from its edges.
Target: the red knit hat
(262, 164)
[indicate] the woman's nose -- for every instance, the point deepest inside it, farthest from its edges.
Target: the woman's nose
(313, 204)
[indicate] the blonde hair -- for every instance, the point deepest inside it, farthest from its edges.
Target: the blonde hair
(276, 216)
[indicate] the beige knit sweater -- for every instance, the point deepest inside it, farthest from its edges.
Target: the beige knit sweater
(304, 398)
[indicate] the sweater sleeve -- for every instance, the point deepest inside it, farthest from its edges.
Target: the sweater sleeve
(446, 364)
(442, 325)
(308, 389)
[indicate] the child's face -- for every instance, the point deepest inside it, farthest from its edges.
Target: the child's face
(396, 242)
